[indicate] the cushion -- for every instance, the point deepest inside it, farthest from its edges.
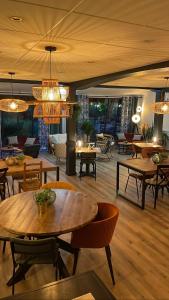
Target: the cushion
(30, 141)
(121, 136)
(59, 138)
(12, 140)
(100, 135)
(137, 137)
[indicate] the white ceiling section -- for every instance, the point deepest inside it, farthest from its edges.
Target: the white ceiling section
(94, 37)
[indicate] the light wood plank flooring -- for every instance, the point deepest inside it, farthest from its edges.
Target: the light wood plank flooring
(140, 245)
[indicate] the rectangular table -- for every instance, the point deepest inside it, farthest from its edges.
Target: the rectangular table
(143, 166)
(46, 167)
(69, 288)
(147, 145)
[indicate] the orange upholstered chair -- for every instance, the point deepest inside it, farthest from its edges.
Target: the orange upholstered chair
(97, 234)
(59, 185)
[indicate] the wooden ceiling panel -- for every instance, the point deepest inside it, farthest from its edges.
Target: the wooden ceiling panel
(145, 12)
(153, 78)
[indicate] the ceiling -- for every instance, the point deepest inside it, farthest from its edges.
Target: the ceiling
(93, 38)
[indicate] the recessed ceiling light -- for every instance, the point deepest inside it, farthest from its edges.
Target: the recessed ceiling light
(16, 19)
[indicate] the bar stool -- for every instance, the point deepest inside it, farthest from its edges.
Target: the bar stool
(88, 158)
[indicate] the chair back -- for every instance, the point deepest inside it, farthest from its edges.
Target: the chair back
(32, 176)
(32, 248)
(3, 172)
(59, 185)
(162, 174)
(99, 232)
(60, 150)
(31, 150)
(150, 151)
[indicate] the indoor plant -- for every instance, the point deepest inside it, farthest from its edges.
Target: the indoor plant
(44, 198)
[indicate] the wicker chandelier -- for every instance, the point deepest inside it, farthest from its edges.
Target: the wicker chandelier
(50, 90)
(12, 104)
(162, 107)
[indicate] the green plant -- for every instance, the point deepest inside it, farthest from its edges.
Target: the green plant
(147, 132)
(20, 157)
(164, 138)
(87, 128)
(42, 197)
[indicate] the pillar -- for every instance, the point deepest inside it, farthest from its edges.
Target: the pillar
(71, 139)
(158, 118)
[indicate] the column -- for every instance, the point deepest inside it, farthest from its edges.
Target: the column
(158, 119)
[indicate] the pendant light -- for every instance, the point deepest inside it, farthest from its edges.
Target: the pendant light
(162, 107)
(12, 104)
(50, 90)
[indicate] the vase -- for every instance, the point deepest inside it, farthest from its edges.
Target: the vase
(42, 208)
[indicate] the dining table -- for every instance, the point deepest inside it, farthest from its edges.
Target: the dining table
(19, 214)
(144, 166)
(19, 169)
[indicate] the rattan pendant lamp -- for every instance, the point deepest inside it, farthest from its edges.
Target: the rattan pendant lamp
(12, 104)
(51, 104)
(162, 107)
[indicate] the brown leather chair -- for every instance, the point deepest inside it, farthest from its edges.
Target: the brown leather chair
(97, 234)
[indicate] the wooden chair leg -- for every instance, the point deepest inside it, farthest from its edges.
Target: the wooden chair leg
(137, 188)
(156, 196)
(76, 256)
(108, 254)
(4, 247)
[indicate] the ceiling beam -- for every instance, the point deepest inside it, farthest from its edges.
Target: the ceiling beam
(128, 87)
(94, 81)
(25, 81)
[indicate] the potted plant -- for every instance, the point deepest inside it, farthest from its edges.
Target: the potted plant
(44, 198)
(87, 128)
(20, 159)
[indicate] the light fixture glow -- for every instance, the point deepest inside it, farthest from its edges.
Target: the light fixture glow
(13, 105)
(79, 143)
(136, 118)
(139, 109)
(164, 107)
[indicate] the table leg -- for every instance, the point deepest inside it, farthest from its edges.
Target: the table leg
(143, 192)
(45, 177)
(62, 268)
(117, 179)
(57, 173)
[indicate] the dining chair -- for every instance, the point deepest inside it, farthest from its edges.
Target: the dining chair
(106, 149)
(87, 159)
(97, 234)
(32, 177)
(3, 183)
(18, 177)
(30, 252)
(59, 185)
(160, 180)
(5, 237)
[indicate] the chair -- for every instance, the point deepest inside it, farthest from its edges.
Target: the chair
(60, 151)
(106, 149)
(160, 180)
(31, 150)
(29, 252)
(59, 185)
(3, 183)
(32, 177)
(88, 158)
(97, 234)
(136, 150)
(5, 236)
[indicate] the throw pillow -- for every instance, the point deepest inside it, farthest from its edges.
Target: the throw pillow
(30, 141)
(121, 136)
(12, 140)
(100, 135)
(137, 137)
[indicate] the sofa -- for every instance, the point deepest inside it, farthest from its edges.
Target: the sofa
(21, 141)
(129, 137)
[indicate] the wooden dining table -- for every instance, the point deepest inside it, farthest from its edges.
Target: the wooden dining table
(19, 169)
(71, 210)
(143, 145)
(144, 166)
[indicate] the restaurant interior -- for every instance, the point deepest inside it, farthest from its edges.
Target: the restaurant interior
(84, 146)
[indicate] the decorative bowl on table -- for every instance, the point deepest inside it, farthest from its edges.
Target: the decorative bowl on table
(47, 196)
(158, 158)
(10, 160)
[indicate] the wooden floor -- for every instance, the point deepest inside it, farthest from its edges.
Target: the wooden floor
(140, 246)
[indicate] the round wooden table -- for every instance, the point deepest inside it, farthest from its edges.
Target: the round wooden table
(70, 211)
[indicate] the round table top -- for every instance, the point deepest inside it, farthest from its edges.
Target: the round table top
(70, 211)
